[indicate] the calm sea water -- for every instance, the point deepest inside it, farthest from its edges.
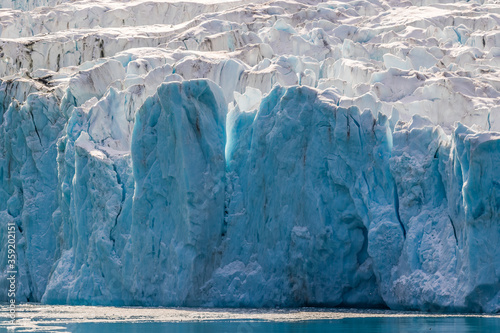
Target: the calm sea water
(354, 325)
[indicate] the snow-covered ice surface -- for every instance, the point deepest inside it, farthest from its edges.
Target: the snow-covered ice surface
(226, 153)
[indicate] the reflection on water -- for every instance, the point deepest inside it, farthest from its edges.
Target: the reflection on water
(354, 325)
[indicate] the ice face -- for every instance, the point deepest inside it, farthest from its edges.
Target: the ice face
(309, 247)
(222, 153)
(178, 205)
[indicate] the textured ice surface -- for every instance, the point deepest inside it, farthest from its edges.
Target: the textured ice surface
(225, 153)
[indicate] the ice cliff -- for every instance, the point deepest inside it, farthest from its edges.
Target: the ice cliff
(282, 153)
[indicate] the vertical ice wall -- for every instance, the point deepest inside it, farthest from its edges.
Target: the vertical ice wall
(319, 200)
(304, 202)
(141, 227)
(306, 180)
(28, 180)
(178, 207)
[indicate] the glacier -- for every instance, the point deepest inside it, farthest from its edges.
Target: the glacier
(266, 154)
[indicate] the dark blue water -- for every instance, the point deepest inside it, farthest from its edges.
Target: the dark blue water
(354, 325)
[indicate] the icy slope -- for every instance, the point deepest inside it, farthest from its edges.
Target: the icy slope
(224, 153)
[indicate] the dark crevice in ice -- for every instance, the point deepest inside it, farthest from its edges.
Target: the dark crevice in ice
(454, 230)
(396, 206)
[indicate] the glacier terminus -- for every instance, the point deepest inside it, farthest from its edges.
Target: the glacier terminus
(226, 153)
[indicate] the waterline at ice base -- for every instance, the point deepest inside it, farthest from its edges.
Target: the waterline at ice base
(265, 154)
